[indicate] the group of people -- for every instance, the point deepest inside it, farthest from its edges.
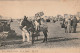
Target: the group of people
(31, 28)
(5, 25)
(70, 24)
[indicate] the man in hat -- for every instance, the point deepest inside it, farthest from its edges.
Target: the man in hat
(74, 24)
(25, 26)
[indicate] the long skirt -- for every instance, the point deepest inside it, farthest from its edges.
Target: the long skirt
(69, 28)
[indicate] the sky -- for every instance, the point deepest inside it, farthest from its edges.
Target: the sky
(17, 9)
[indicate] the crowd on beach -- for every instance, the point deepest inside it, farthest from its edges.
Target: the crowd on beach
(70, 24)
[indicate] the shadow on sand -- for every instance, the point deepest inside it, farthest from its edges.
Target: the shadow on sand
(58, 39)
(28, 45)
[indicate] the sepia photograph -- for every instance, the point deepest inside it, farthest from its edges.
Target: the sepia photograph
(32, 26)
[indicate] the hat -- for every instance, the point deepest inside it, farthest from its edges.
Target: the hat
(25, 17)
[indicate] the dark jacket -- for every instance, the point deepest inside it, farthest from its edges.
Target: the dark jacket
(71, 23)
(29, 25)
(74, 22)
(25, 22)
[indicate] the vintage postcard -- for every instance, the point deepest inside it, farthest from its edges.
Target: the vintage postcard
(39, 26)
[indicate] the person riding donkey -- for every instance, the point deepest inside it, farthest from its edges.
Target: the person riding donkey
(36, 26)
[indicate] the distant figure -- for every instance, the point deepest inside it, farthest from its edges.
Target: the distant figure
(53, 21)
(63, 20)
(74, 24)
(69, 26)
(5, 26)
(1, 27)
(63, 23)
(11, 20)
(66, 23)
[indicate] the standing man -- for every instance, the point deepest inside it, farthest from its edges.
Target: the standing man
(71, 24)
(66, 23)
(25, 26)
(74, 24)
(63, 20)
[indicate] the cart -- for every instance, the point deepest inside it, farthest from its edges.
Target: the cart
(4, 30)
